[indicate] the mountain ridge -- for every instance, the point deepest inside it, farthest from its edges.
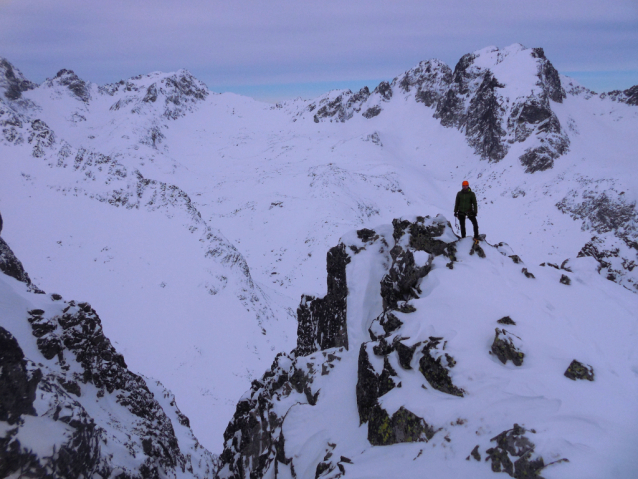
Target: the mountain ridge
(420, 364)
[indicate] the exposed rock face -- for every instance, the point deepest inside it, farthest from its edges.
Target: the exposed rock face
(435, 365)
(17, 384)
(41, 137)
(127, 434)
(322, 321)
(398, 287)
(477, 104)
(12, 82)
(254, 439)
(429, 81)
(400, 284)
(343, 107)
(11, 266)
(403, 426)
(506, 320)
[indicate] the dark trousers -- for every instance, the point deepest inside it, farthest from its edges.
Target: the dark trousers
(474, 224)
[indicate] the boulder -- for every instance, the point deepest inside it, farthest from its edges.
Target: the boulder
(578, 370)
(505, 347)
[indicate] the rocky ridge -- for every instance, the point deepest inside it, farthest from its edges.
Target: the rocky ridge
(402, 369)
(59, 373)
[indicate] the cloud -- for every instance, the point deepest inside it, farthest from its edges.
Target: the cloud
(248, 42)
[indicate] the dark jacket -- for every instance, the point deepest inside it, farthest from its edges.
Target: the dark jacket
(0, 223)
(466, 203)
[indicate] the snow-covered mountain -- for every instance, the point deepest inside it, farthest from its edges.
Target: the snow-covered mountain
(195, 221)
(69, 407)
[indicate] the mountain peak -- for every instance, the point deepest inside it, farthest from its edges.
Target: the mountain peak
(69, 80)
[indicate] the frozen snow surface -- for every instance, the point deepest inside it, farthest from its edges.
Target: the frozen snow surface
(193, 222)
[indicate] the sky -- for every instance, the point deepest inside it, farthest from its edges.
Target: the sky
(283, 49)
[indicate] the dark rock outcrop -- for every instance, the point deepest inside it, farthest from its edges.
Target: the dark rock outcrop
(254, 440)
(12, 81)
(17, 384)
(506, 349)
(435, 365)
(513, 454)
(343, 107)
(322, 321)
(484, 118)
(400, 283)
(383, 429)
(41, 137)
(628, 96)
(11, 266)
(506, 320)
(402, 426)
(372, 112)
(578, 370)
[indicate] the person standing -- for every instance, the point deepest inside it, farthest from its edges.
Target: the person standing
(0, 223)
(466, 206)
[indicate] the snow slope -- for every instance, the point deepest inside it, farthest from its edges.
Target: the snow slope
(194, 221)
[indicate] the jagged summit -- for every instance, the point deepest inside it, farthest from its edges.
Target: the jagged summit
(69, 80)
(456, 354)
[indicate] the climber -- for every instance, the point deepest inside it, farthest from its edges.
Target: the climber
(466, 205)
(0, 223)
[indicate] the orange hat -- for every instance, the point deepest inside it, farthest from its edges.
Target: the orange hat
(465, 183)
